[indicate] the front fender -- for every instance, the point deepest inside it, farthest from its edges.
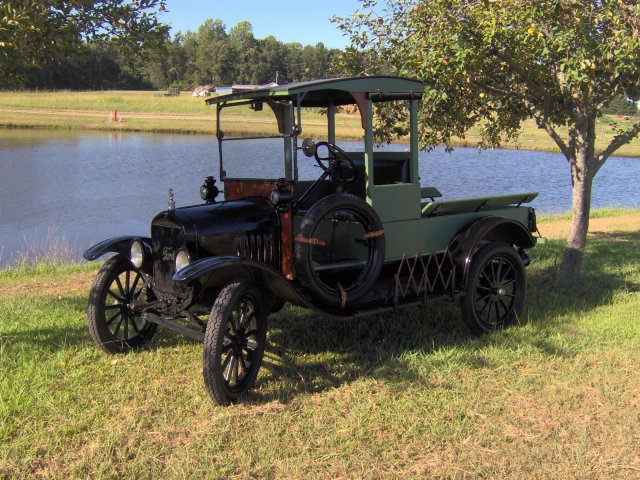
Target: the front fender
(498, 229)
(227, 267)
(116, 245)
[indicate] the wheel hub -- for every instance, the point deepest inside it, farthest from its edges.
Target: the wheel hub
(238, 342)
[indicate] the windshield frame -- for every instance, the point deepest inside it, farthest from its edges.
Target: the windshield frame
(284, 113)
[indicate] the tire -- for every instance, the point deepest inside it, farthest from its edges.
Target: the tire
(112, 325)
(234, 341)
(495, 289)
(339, 228)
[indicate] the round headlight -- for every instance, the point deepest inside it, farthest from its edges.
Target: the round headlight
(182, 260)
(137, 253)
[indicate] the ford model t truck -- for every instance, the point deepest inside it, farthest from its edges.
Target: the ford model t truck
(364, 237)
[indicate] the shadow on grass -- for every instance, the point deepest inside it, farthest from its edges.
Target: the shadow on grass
(308, 353)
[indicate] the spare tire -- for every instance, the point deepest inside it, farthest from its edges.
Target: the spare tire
(339, 250)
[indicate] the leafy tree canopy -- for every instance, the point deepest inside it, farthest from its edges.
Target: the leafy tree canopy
(494, 63)
(33, 32)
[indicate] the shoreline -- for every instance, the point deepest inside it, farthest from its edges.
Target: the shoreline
(143, 115)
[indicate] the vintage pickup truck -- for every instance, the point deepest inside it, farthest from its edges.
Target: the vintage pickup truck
(362, 238)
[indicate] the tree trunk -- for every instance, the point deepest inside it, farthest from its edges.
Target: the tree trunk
(582, 173)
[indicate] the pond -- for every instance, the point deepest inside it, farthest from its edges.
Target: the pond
(84, 187)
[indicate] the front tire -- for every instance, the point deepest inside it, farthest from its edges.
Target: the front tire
(114, 327)
(234, 341)
(495, 289)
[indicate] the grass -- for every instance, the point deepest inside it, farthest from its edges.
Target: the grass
(145, 112)
(405, 396)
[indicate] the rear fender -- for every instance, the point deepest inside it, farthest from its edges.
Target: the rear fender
(487, 229)
(217, 271)
(119, 245)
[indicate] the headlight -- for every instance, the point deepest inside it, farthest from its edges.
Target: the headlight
(137, 253)
(182, 260)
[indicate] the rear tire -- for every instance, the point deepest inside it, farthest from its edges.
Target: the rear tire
(234, 341)
(495, 289)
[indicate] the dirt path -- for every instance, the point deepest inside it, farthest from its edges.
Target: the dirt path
(622, 223)
(49, 287)
(103, 113)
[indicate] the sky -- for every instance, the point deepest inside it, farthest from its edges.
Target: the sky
(304, 21)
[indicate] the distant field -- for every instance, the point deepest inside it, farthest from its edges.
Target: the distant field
(412, 395)
(147, 112)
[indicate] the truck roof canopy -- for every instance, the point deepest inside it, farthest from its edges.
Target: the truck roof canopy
(338, 91)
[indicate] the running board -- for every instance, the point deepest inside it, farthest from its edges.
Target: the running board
(189, 332)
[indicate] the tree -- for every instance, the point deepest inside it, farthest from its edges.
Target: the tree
(213, 55)
(494, 63)
(34, 32)
(244, 47)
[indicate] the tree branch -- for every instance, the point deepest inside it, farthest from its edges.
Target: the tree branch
(617, 142)
(542, 122)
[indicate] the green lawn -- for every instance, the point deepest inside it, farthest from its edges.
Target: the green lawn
(405, 396)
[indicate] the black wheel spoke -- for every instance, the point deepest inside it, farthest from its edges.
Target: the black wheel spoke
(126, 326)
(484, 297)
(243, 362)
(487, 301)
(127, 281)
(134, 325)
(236, 366)
(111, 307)
(484, 275)
(492, 266)
(135, 284)
(247, 316)
(115, 296)
(249, 355)
(122, 291)
(232, 325)
(491, 304)
(113, 317)
(504, 305)
(118, 325)
(498, 275)
(225, 366)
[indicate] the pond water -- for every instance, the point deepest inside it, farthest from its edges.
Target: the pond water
(85, 187)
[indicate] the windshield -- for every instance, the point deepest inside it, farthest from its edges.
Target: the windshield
(251, 140)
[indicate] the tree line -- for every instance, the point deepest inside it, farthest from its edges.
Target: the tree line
(211, 55)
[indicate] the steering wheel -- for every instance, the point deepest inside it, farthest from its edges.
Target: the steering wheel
(335, 157)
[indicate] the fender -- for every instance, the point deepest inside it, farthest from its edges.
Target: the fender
(467, 241)
(116, 245)
(271, 278)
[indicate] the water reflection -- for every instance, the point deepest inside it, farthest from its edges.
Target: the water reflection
(90, 186)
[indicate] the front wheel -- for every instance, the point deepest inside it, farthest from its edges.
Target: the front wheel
(495, 289)
(113, 325)
(234, 341)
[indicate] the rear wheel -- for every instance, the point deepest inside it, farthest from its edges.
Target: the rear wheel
(234, 341)
(114, 327)
(495, 289)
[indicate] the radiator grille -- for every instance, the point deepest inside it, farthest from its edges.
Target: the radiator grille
(257, 246)
(166, 242)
